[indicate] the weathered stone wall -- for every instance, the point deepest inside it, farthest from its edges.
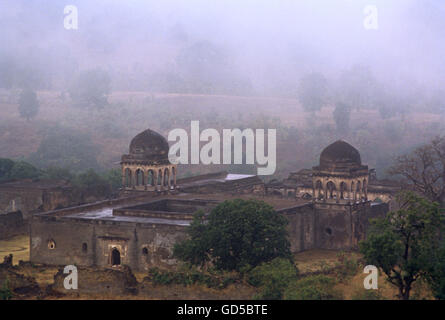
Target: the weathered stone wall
(300, 227)
(12, 224)
(90, 243)
(31, 200)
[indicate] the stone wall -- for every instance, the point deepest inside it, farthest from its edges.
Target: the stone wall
(64, 241)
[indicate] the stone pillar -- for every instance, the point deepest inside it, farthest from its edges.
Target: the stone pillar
(174, 176)
(325, 192)
(123, 178)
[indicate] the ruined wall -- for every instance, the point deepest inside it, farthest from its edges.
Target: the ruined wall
(300, 227)
(31, 200)
(12, 224)
(90, 243)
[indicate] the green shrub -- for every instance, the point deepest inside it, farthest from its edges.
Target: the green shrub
(272, 277)
(318, 287)
(190, 277)
(346, 266)
(5, 291)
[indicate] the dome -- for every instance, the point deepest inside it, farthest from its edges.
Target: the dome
(340, 154)
(149, 145)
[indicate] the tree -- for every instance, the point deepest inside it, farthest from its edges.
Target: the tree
(23, 170)
(91, 89)
(312, 92)
(5, 168)
(402, 243)
(424, 170)
(92, 184)
(237, 235)
(342, 114)
(436, 274)
(28, 104)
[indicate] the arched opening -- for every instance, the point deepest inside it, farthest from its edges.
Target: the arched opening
(127, 177)
(172, 178)
(84, 247)
(144, 251)
(150, 178)
(51, 244)
(139, 177)
(318, 190)
(343, 190)
(328, 231)
(358, 191)
(331, 190)
(166, 177)
(159, 180)
(115, 257)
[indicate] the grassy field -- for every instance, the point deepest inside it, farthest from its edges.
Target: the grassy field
(18, 246)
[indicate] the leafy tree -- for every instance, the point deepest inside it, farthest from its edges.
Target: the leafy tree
(5, 168)
(402, 243)
(424, 170)
(91, 89)
(92, 184)
(23, 170)
(312, 92)
(57, 173)
(28, 104)
(342, 115)
(436, 274)
(273, 277)
(319, 287)
(236, 235)
(114, 178)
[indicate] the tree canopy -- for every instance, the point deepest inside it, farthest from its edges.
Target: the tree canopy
(403, 243)
(237, 234)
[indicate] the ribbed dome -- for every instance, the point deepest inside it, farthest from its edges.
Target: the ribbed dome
(149, 145)
(339, 154)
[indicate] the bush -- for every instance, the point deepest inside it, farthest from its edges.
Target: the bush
(346, 266)
(318, 287)
(23, 170)
(5, 291)
(273, 277)
(190, 277)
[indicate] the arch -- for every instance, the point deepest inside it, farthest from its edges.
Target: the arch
(144, 251)
(318, 190)
(331, 190)
(150, 178)
(84, 247)
(159, 178)
(127, 177)
(166, 180)
(358, 191)
(139, 177)
(173, 177)
(115, 257)
(343, 190)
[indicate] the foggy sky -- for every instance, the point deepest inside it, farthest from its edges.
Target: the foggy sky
(272, 43)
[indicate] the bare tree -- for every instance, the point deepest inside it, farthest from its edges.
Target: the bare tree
(424, 170)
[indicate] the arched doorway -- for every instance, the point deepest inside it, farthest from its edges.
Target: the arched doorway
(115, 257)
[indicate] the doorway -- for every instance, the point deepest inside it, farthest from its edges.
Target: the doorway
(115, 257)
